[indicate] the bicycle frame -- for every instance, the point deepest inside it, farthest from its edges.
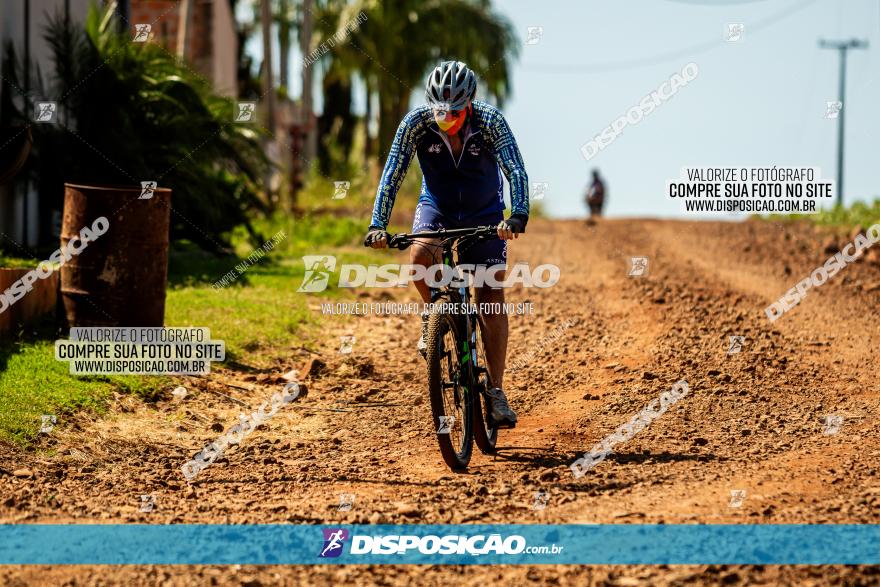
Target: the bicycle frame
(468, 378)
(450, 239)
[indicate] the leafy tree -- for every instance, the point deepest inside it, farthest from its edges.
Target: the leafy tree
(402, 40)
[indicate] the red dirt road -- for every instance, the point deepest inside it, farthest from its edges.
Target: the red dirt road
(791, 420)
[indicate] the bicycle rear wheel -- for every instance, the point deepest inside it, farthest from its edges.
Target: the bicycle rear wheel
(485, 434)
(451, 403)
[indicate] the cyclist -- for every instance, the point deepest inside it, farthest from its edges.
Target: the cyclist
(596, 195)
(462, 145)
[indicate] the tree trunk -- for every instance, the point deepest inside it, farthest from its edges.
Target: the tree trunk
(386, 127)
(284, 44)
(393, 106)
(368, 117)
(306, 41)
(268, 87)
(183, 31)
(335, 125)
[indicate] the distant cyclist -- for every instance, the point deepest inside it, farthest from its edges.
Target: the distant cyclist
(463, 145)
(596, 195)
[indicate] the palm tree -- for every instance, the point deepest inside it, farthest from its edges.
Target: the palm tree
(285, 18)
(401, 40)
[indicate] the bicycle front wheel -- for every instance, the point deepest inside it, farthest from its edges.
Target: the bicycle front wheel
(451, 403)
(485, 432)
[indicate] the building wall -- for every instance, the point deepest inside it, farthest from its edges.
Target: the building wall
(212, 41)
(225, 50)
(212, 51)
(14, 197)
(12, 24)
(162, 15)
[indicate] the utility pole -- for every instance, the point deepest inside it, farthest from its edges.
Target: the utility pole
(842, 47)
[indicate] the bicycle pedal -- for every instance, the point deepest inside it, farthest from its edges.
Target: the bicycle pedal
(504, 425)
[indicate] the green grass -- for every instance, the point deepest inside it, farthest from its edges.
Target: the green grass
(319, 190)
(259, 315)
(33, 383)
(8, 262)
(858, 214)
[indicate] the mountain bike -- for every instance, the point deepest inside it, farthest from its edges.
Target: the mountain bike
(457, 375)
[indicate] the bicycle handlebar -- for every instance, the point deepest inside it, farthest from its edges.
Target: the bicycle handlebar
(404, 240)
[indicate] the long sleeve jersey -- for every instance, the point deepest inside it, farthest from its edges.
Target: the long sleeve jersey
(471, 186)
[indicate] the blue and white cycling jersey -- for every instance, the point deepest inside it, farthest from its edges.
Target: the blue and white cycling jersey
(469, 187)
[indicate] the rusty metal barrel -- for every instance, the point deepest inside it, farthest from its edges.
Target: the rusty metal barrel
(119, 276)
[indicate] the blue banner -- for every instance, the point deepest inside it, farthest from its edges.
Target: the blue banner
(272, 544)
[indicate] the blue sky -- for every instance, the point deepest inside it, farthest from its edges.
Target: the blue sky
(756, 102)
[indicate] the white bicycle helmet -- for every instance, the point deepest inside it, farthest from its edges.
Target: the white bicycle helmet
(454, 77)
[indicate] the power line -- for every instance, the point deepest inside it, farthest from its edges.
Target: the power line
(677, 54)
